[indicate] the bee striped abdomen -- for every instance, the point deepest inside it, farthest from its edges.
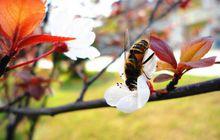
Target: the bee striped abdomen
(133, 63)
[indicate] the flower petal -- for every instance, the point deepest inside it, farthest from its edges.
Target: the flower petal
(143, 91)
(82, 40)
(84, 52)
(57, 26)
(149, 67)
(79, 28)
(128, 103)
(115, 93)
(71, 55)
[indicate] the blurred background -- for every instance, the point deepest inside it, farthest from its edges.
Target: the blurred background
(188, 118)
(192, 20)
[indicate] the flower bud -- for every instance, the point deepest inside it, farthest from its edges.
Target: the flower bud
(61, 47)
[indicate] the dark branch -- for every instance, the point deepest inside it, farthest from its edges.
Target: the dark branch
(3, 64)
(152, 16)
(189, 90)
(173, 82)
(35, 120)
(15, 120)
(16, 100)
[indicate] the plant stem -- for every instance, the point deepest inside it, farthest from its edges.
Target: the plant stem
(3, 64)
(31, 61)
(173, 83)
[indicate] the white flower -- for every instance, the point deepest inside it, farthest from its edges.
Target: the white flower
(86, 8)
(63, 23)
(128, 101)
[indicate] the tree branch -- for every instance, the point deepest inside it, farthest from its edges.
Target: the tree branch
(189, 90)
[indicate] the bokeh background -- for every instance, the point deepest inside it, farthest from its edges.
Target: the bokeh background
(190, 118)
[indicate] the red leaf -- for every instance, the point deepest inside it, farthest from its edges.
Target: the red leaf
(184, 3)
(36, 39)
(36, 91)
(206, 62)
(162, 50)
(162, 78)
(19, 18)
(195, 50)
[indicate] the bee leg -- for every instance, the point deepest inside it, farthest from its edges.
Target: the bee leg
(148, 58)
(121, 75)
(146, 75)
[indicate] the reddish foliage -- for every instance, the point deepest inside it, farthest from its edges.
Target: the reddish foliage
(162, 78)
(33, 85)
(61, 47)
(206, 62)
(185, 3)
(18, 20)
(162, 50)
(190, 58)
(195, 50)
(36, 39)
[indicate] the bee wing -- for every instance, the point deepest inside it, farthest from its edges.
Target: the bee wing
(121, 68)
(149, 67)
(127, 42)
(115, 93)
(124, 55)
(143, 91)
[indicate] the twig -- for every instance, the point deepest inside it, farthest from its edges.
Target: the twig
(82, 93)
(35, 120)
(14, 122)
(83, 76)
(173, 82)
(172, 7)
(151, 18)
(124, 12)
(16, 100)
(189, 90)
(6, 88)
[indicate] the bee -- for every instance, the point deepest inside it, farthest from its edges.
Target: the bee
(134, 63)
(139, 63)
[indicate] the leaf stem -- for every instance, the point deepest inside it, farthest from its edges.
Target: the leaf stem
(3, 64)
(33, 60)
(174, 82)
